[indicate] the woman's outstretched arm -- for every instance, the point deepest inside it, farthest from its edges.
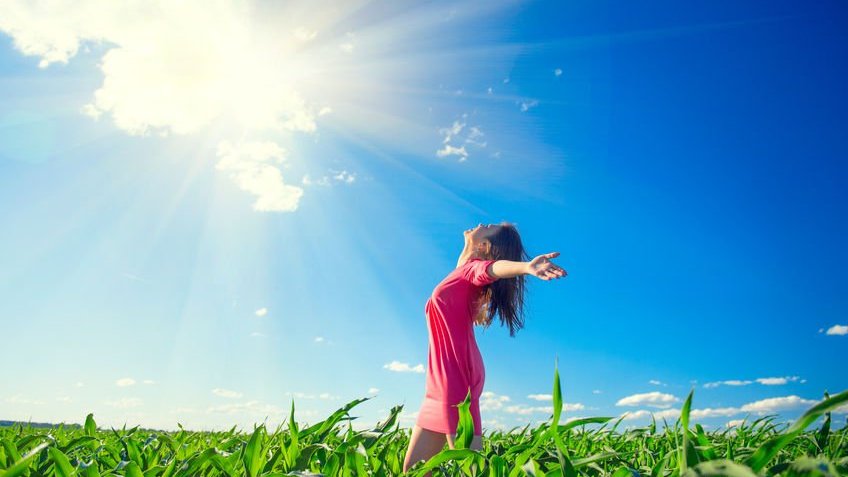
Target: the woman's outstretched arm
(541, 267)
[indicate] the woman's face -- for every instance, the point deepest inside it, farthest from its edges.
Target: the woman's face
(480, 234)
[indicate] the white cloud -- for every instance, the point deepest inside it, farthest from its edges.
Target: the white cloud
(79, 384)
(248, 165)
(64, 399)
(490, 401)
(261, 312)
(765, 381)
(524, 410)
(596, 391)
(123, 382)
(226, 393)
(734, 422)
(125, 403)
(399, 367)
(838, 330)
(653, 399)
(731, 382)
(373, 390)
(335, 177)
(149, 381)
(449, 150)
(777, 404)
(713, 412)
(526, 105)
(541, 397)
(319, 339)
(777, 381)
(657, 383)
(169, 66)
(473, 137)
(451, 131)
(181, 68)
(257, 334)
(558, 72)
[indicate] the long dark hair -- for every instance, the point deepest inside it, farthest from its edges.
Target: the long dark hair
(505, 296)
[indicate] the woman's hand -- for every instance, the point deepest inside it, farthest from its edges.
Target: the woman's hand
(544, 268)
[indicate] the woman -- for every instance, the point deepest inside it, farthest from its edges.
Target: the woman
(488, 280)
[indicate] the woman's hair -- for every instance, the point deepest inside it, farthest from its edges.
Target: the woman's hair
(506, 295)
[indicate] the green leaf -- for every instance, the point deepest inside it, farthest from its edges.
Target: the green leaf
(465, 426)
(684, 421)
(90, 426)
(253, 457)
(61, 465)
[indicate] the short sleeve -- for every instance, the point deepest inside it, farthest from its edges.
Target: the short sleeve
(475, 272)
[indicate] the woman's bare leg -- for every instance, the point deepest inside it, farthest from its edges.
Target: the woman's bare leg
(423, 444)
(476, 442)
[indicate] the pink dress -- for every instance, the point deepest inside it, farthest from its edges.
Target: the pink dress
(454, 363)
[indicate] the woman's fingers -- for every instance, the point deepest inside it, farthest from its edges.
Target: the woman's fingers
(552, 255)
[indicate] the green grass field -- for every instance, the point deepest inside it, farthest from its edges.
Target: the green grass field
(588, 446)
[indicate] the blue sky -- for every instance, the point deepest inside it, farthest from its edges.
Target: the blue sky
(206, 220)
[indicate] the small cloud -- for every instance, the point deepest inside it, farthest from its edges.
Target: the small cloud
(449, 150)
(335, 177)
(262, 312)
(325, 110)
(558, 72)
(777, 381)
(226, 393)
(734, 423)
(729, 382)
(399, 367)
(257, 334)
(540, 397)
(657, 382)
(373, 390)
(123, 382)
(79, 384)
(319, 339)
(451, 131)
(489, 91)
(506, 80)
(64, 399)
(652, 399)
(149, 381)
(596, 391)
(526, 105)
(343, 176)
(838, 330)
